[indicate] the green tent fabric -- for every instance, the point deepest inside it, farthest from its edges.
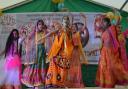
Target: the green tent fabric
(73, 5)
(88, 71)
(34, 6)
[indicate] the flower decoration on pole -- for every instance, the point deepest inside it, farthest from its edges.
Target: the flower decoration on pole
(55, 1)
(114, 16)
(117, 17)
(58, 5)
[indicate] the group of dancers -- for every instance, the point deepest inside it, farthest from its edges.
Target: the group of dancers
(64, 55)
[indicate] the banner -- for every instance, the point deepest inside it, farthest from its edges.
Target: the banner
(89, 36)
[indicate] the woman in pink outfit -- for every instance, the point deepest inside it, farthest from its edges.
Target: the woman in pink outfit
(12, 66)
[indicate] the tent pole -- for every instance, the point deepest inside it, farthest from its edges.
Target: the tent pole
(123, 5)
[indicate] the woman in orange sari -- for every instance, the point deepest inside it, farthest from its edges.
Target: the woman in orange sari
(59, 56)
(110, 69)
(74, 78)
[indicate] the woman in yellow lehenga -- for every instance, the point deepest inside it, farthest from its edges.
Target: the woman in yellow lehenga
(59, 56)
(110, 70)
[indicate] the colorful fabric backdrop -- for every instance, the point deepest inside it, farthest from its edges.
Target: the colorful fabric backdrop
(28, 20)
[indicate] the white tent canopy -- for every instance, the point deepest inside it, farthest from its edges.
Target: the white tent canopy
(113, 3)
(8, 4)
(126, 8)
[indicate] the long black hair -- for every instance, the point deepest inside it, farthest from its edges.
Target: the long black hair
(108, 21)
(42, 22)
(10, 41)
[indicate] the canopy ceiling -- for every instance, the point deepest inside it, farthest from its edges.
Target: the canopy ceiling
(119, 4)
(8, 4)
